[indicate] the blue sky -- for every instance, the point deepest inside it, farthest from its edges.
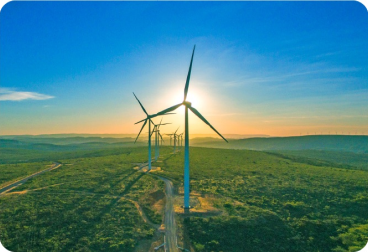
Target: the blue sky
(277, 68)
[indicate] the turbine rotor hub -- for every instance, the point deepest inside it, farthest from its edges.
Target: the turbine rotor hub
(186, 103)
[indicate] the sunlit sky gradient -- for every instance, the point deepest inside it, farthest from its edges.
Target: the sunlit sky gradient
(276, 68)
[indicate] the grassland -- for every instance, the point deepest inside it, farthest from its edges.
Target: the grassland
(270, 203)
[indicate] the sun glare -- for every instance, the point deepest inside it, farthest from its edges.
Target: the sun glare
(175, 96)
(194, 96)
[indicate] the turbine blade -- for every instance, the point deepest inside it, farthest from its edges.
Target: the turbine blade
(152, 116)
(160, 123)
(188, 76)
(140, 104)
(163, 112)
(176, 130)
(161, 137)
(205, 121)
(154, 127)
(144, 124)
(141, 120)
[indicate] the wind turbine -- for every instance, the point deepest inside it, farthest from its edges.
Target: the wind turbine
(188, 106)
(149, 131)
(174, 135)
(156, 130)
(181, 140)
(176, 138)
(170, 135)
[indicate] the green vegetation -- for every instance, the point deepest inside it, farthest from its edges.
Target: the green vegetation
(287, 200)
(89, 203)
(270, 203)
(47, 221)
(14, 172)
(354, 238)
(342, 159)
(14, 151)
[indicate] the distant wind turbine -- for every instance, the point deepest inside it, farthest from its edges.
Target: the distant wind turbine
(149, 131)
(180, 136)
(170, 135)
(188, 106)
(175, 136)
(156, 130)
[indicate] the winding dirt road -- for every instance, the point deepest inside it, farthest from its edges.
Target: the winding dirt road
(170, 225)
(22, 181)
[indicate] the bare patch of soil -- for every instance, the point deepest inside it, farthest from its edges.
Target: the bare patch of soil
(19, 192)
(201, 206)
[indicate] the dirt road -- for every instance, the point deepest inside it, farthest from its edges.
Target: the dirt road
(22, 181)
(170, 225)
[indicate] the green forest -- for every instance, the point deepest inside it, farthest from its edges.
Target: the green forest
(271, 203)
(85, 205)
(266, 201)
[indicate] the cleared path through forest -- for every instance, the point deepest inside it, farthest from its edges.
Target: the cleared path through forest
(170, 224)
(22, 181)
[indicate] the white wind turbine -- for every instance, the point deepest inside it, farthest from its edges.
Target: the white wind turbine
(149, 131)
(188, 106)
(156, 130)
(173, 135)
(181, 140)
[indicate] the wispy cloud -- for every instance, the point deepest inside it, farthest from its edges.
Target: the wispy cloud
(285, 78)
(11, 95)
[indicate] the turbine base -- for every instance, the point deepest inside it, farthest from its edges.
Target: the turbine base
(187, 207)
(186, 210)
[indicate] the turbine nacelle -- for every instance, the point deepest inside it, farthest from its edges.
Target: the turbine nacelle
(187, 104)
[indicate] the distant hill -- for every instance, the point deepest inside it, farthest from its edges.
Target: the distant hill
(67, 136)
(13, 151)
(66, 140)
(337, 158)
(338, 149)
(228, 136)
(341, 150)
(357, 144)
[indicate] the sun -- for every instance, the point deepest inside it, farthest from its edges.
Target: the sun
(194, 97)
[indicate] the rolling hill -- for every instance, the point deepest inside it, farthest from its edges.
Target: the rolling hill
(357, 144)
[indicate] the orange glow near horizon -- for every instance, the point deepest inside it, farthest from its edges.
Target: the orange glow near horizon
(120, 120)
(196, 126)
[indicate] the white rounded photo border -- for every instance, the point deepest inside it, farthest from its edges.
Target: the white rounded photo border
(364, 2)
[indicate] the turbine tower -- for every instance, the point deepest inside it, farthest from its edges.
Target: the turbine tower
(180, 140)
(188, 106)
(175, 136)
